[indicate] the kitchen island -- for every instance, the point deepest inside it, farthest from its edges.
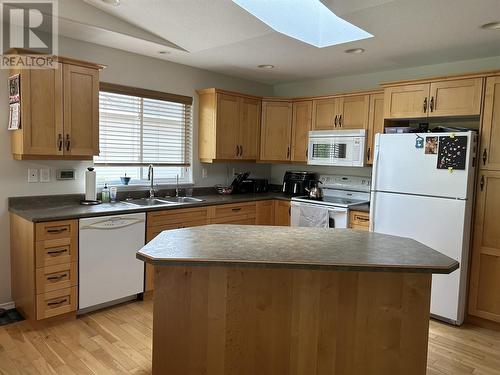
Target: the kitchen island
(233, 299)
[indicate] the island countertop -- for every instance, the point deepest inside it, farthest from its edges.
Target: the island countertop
(294, 247)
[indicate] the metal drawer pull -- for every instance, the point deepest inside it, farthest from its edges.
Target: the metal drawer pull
(60, 142)
(58, 230)
(57, 277)
(55, 303)
(57, 251)
(361, 218)
(236, 209)
(68, 142)
(425, 105)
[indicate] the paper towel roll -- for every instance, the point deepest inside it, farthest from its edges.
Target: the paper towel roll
(90, 185)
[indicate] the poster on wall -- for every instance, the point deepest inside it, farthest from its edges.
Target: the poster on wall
(14, 102)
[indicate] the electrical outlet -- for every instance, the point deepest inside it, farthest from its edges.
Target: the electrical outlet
(32, 175)
(204, 173)
(44, 175)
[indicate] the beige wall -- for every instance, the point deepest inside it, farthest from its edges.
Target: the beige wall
(123, 68)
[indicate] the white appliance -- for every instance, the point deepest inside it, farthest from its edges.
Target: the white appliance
(411, 197)
(340, 193)
(108, 269)
(337, 147)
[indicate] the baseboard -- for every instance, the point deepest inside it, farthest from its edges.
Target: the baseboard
(483, 323)
(7, 306)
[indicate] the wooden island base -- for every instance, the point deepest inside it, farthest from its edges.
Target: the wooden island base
(227, 320)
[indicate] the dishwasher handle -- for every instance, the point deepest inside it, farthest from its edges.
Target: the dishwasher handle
(114, 223)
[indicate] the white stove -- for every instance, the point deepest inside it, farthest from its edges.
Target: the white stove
(339, 194)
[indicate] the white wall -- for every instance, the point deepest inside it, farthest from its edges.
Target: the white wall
(126, 69)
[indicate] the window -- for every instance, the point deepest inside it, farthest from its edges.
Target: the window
(141, 127)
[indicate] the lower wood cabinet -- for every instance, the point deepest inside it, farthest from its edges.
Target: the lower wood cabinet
(359, 220)
(44, 267)
(264, 214)
(484, 294)
(282, 211)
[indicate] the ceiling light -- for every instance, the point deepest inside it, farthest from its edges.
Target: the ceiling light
(265, 66)
(355, 50)
(112, 2)
(309, 21)
(491, 25)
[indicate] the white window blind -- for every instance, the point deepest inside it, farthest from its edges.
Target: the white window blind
(136, 130)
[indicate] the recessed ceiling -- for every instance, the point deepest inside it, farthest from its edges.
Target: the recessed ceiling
(220, 36)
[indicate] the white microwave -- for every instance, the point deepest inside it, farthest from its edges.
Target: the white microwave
(337, 147)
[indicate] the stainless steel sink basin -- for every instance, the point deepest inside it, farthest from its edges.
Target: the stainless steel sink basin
(182, 199)
(148, 202)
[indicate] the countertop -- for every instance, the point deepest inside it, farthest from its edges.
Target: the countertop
(293, 247)
(64, 207)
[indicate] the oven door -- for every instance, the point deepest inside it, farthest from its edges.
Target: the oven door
(317, 216)
(340, 151)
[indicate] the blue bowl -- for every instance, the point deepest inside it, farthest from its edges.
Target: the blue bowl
(125, 180)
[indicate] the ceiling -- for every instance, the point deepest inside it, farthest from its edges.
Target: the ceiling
(220, 36)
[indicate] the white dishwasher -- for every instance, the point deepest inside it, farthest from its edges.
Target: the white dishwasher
(109, 272)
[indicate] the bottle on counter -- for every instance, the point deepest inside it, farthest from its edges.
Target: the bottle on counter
(105, 194)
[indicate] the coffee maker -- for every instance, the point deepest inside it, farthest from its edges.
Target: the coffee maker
(296, 182)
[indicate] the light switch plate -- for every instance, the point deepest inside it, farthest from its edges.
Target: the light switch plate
(32, 175)
(44, 175)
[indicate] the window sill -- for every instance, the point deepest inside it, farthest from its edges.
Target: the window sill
(145, 187)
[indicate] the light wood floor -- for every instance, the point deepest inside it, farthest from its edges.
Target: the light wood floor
(118, 341)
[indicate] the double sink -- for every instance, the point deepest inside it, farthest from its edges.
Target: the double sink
(150, 202)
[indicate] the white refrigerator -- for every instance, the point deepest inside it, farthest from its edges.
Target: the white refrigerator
(422, 188)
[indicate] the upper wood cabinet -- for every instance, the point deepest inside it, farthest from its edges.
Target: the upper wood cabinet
(275, 141)
(325, 113)
(458, 97)
(342, 112)
(59, 112)
(229, 126)
(484, 299)
(490, 130)
(375, 124)
(301, 125)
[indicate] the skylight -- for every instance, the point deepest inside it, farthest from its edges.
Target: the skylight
(307, 20)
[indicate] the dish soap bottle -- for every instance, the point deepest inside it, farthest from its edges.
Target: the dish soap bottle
(105, 194)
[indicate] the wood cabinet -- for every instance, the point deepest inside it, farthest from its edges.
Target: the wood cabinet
(375, 124)
(229, 125)
(282, 213)
(343, 112)
(359, 220)
(59, 112)
(490, 129)
(484, 295)
(264, 214)
(276, 131)
(325, 113)
(301, 125)
(457, 97)
(44, 267)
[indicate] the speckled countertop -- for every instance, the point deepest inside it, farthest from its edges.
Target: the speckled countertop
(293, 247)
(63, 207)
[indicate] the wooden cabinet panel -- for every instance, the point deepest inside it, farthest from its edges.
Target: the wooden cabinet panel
(325, 113)
(276, 131)
(81, 110)
(56, 302)
(490, 130)
(234, 220)
(282, 213)
(176, 216)
(375, 124)
(56, 229)
(249, 128)
(409, 101)
(456, 98)
(56, 277)
(264, 213)
(56, 251)
(359, 220)
(484, 300)
(301, 125)
(353, 112)
(228, 119)
(233, 210)
(153, 231)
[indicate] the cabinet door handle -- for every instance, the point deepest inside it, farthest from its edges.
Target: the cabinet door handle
(431, 104)
(57, 277)
(368, 153)
(425, 105)
(68, 142)
(57, 251)
(307, 152)
(241, 150)
(485, 156)
(54, 303)
(481, 184)
(236, 209)
(237, 150)
(60, 142)
(340, 120)
(58, 230)
(361, 218)
(288, 152)
(335, 121)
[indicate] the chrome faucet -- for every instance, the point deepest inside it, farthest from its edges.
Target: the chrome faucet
(177, 186)
(151, 177)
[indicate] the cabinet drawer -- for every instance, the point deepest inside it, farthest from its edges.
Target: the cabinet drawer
(359, 219)
(57, 302)
(239, 210)
(60, 276)
(234, 220)
(153, 231)
(176, 216)
(57, 251)
(56, 229)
